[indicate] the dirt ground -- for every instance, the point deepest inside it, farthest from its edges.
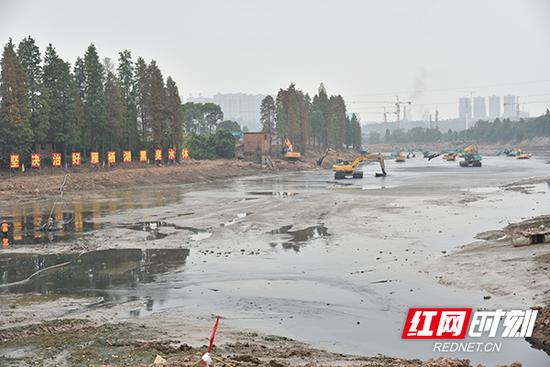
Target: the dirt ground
(528, 263)
(77, 342)
(88, 331)
(48, 182)
(36, 184)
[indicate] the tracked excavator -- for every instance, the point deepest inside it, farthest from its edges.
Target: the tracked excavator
(345, 168)
(288, 152)
(469, 153)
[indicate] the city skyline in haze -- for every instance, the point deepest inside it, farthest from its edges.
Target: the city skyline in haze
(428, 52)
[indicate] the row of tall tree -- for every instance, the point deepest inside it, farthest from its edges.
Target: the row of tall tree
(321, 121)
(483, 131)
(91, 105)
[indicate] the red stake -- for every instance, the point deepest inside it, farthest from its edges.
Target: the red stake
(213, 334)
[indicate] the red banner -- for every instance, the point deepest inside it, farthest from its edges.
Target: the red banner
(127, 156)
(35, 160)
(76, 159)
(15, 161)
(94, 158)
(56, 159)
(158, 155)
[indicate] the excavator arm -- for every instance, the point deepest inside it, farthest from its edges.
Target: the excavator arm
(322, 158)
(350, 168)
(371, 157)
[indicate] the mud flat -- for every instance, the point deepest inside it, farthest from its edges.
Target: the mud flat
(519, 268)
(78, 342)
(334, 264)
(36, 184)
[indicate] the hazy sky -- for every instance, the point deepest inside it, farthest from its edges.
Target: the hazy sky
(429, 51)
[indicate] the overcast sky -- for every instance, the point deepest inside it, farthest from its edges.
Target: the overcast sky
(429, 51)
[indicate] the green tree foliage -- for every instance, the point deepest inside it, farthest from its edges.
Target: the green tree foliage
(221, 144)
(229, 125)
(321, 121)
(15, 109)
(156, 105)
(201, 118)
(64, 108)
(30, 59)
(353, 133)
(142, 95)
(98, 106)
(126, 76)
(268, 115)
(498, 131)
(174, 113)
(116, 113)
(94, 101)
(290, 107)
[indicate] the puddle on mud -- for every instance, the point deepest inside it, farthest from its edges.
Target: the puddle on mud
(78, 216)
(86, 273)
(300, 236)
(236, 219)
(153, 230)
(272, 193)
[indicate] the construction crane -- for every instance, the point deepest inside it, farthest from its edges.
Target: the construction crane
(398, 104)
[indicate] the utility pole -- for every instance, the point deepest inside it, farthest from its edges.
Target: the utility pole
(517, 107)
(436, 116)
(385, 118)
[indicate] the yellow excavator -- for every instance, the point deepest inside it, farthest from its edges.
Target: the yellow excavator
(288, 152)
(343, 168)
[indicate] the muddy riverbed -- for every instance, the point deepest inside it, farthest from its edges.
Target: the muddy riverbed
(335, 264)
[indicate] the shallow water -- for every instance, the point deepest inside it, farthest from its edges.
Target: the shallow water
(333, 263)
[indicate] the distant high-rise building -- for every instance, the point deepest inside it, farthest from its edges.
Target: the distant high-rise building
(494, 107)
(480, 110)
(240, 107)
(465, 109)
(509, 106)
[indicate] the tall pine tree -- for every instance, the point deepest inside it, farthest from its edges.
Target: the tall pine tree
(94, 103)
(157, 106)
(116, 112)
(127, 84)
(59, 87)
(267, 115)
(142, 95)
(30, 59)
(175, 113)
(15, 110)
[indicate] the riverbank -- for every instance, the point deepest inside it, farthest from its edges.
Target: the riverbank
(271, 254)
(35, 184)
(82, 342)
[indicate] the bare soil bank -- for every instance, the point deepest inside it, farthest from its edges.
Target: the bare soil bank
(511, 251)
(31, 184)
(78, 342)
(16, 186)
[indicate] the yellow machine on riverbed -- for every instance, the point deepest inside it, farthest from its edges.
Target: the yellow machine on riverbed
(343, 169)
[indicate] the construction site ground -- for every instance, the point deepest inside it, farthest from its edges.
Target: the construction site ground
(303, 269)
